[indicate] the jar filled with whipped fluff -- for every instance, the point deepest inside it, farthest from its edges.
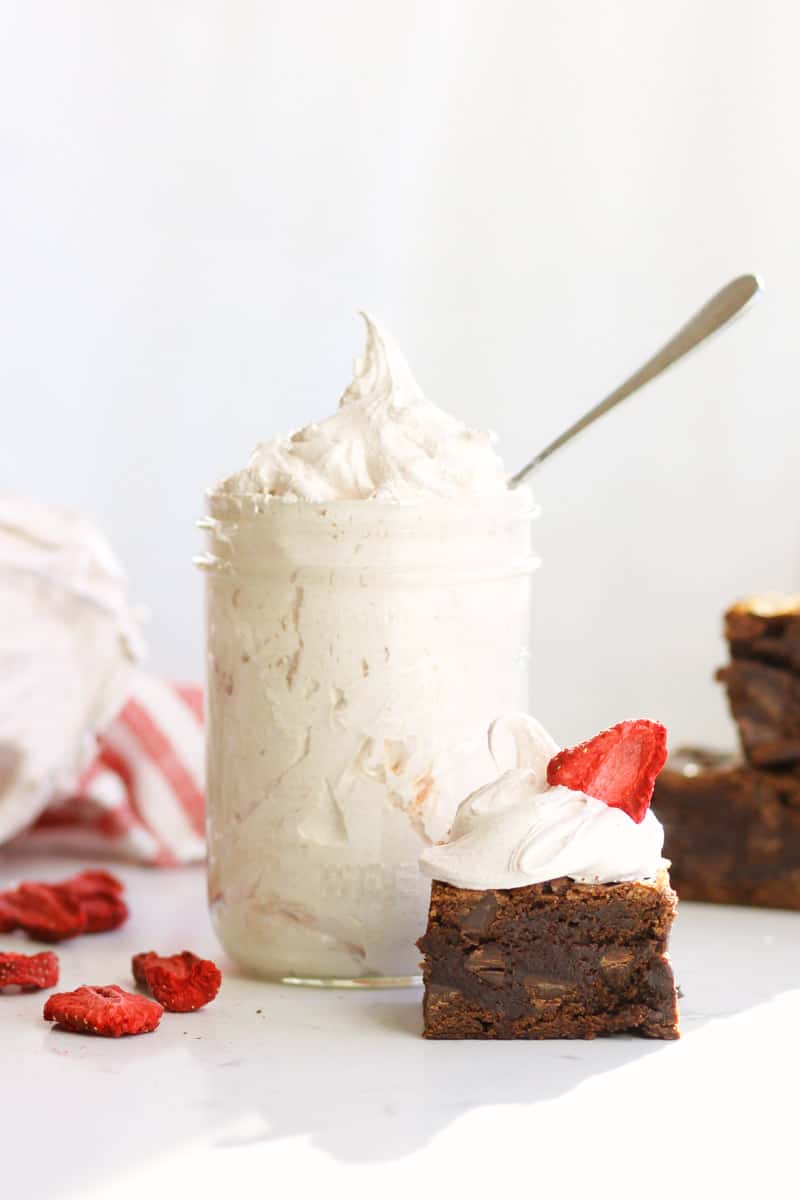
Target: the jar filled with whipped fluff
(368, 615)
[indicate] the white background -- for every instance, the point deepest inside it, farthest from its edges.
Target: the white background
(195, 196)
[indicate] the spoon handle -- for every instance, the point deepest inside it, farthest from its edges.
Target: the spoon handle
(715, 313)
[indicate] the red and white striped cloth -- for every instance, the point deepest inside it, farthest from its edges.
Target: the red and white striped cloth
(142, 797)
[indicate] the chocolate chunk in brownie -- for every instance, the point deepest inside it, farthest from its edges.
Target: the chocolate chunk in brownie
(731, 831)
(551, 960)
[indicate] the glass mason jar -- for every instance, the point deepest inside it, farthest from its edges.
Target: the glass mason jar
(357, 652)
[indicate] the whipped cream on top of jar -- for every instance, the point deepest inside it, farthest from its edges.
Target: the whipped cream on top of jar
(386, 442)
(518, 830)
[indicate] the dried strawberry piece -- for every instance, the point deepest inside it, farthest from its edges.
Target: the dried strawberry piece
(104, 913)
(618, 766)
(100, 895)
(44, 911)
(31, 972)
(181, 982)
(90, 902)
(90, 883)
(103, 1011)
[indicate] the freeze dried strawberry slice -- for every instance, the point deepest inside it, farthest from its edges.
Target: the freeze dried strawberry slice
(90, 902)
(619, 766)
(31, 972)
(44, 911)
(100, 895)
(90, 883)
(181, 982)
(104, 913)
(103, 1011)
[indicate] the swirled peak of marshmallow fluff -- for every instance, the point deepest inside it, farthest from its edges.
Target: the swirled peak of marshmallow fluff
(518, 830)
(385, 442)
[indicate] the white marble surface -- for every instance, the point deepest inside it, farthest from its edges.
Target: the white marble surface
(273, 1087)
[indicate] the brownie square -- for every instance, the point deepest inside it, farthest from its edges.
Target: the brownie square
(731, 831)
(766, 629)
(551, 960)
(765, 704)
(763, 678)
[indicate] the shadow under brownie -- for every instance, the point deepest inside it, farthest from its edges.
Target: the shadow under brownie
(550, 960)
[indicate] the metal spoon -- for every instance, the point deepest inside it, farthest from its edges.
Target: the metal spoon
(715, 313)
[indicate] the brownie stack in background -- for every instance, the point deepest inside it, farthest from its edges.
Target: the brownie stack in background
(763, 678)
(732, 827)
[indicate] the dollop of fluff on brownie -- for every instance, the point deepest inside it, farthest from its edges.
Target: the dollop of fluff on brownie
(519, 830)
